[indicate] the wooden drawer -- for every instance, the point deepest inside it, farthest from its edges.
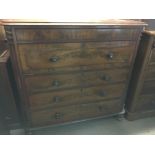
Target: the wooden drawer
(148, 87)
(74, 35)
(75, 112)
(52, 56)
(149, 73)
(76, 96)
(145, 103)
(81, 79)
(152, 56)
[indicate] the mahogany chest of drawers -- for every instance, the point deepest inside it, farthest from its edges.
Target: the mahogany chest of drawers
(72, 71)
(141, 95)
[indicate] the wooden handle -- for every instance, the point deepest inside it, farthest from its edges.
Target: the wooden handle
(106, 77)
(56, 83)
(102, 93)
(58, 115)
(54, 59)
(56, 99)
(110, 55)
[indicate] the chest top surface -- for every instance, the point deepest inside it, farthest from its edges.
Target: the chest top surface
(56, 21)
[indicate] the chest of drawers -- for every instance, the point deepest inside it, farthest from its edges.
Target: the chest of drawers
(141, 99)
(72, 71)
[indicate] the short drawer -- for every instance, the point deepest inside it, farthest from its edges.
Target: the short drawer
(81, 79)
(54, 56)
(76, 96)
(71, 34)
(145, 102)
(75, 112)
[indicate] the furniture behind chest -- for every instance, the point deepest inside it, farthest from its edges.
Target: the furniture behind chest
(75, 71)
(2, 39)
(9, 99)
(9, 116)
(141, 95)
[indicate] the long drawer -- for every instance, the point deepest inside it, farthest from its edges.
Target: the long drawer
(76, 96)
(145, 102)
(152, 57)
(148, 87)
(72, 34)
(75, 112)
(45, 82)
(52, 56)
(149, 73)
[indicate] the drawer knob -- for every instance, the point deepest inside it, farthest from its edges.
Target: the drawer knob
(102, 93)
(106, 78)
(54, 59)
(56, 99)
(58, 115)
(56, 83)
(110, 55)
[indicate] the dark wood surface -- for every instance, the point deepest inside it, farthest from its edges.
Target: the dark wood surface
(53, 56)
(81, 79)
(73, 34)
(3, 42)
(72, 57)
(75, 112)
(76, 96)
(140, 100)
(8, 94)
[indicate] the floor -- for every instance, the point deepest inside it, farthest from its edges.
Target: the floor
(103, 126)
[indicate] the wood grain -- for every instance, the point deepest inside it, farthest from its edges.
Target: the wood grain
(75, 112)
(53, 56)
(73, 56)
(140, 101)
(76, 35)
(76, 96)
(8, 94)
(80, 79)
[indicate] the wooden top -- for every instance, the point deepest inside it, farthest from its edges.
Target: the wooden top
(71, 22)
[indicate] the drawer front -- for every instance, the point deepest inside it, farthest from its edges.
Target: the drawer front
(148, 87)
(76, 96)
(152, 57)
(145, 102)
(75, 112)
(52, 56)
(70, 35)
(150, 73)
(71, 80)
